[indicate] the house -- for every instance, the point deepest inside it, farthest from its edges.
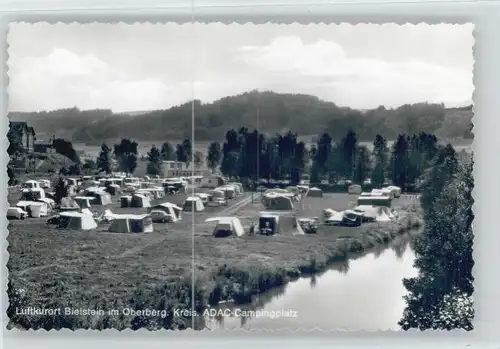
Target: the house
(25, 132)
(41, 146)
(170, 169)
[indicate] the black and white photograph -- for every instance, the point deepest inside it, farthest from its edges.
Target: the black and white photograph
(215, 176)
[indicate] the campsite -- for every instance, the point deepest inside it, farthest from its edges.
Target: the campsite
(55, 263)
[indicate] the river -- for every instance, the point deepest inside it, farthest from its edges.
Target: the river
(365, 293)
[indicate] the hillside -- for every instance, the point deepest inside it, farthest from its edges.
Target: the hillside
(269, 111)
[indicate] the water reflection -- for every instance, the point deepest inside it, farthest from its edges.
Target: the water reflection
(364, 293)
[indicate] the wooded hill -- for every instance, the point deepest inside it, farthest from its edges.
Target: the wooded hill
(270, 112)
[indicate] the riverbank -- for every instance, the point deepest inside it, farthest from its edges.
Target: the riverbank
(240, 269)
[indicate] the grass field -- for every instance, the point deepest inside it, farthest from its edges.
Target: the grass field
(101, 270)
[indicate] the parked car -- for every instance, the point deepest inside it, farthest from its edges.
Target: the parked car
(159, 216)
(16, 213)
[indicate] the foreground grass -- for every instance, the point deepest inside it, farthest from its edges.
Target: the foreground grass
(53, 269)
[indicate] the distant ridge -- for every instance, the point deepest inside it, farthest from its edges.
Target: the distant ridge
(305, 114)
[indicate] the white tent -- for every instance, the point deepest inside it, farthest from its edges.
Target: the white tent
(125, 223)
(69, 204)
(203, 196)
(169, 208)
(77, 220)
(50, 203)
(32, 194)
(113, 189)
(84, 201)
(395, 190)
(125, 201)
(101, 198)
(34, 208)
(31, 184)
(315, 192)
(376, 213)
(193, 203)
(227, 226)
(354, 189)
(139, 200)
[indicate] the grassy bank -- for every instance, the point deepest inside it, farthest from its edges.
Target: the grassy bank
(105, 271)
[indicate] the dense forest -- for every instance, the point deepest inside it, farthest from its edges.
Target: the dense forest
(268, 111)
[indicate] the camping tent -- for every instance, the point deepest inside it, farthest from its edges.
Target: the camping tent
(374, 201)
(375, 213)
(101, 197)
(77, 220)
(203, 196)
(279, 224)
(227, 226)
(354, 189)
(169, 208)
(32, 194)
(139, 200)
(279, 202)
(31, 184)
(34, 208)
(84, 201)
(396, 191)
(315, 193)
(193, 203)
(113, 189)
(124, 223)
(69, 204)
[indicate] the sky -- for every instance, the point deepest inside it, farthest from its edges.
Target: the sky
(143, 67)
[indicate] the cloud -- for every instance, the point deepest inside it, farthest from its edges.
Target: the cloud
(364, 82)
(63, 79)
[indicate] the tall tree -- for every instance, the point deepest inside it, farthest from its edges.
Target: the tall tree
(168, 152)
(349, 146)
(103, 161)
(323, 150)
(439, 297)
(155, 162)
(361, 165)
(61, 190)
(184, 152)
(298, 162)
(381, 158)
(198, 159)
(444, 166)
(399, 162)
(126, 154)
(65, 148)
(230, 154)
(214, 155)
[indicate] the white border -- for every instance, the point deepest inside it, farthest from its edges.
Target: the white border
(486, 17)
